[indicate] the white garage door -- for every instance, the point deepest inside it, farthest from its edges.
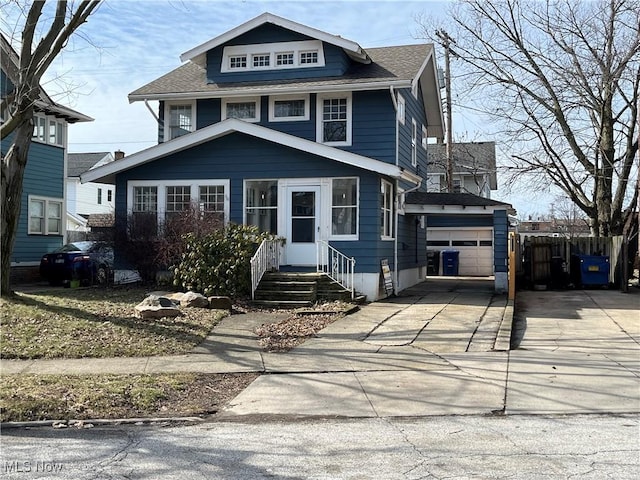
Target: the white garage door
(475, 247)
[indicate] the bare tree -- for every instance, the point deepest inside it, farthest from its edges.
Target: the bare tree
(35, 57)
(560, 80)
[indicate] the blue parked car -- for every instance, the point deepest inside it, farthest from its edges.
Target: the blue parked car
(86, 262)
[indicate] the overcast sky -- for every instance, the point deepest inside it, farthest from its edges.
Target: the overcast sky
(128, 43)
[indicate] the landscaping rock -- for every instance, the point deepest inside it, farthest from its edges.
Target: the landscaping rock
(193, 299)
(156, 307)
(220, 303)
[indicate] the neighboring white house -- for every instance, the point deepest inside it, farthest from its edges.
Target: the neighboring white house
(86, 199)
(474, 168)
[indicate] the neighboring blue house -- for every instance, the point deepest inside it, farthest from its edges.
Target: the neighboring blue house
(43, 220)
(302, 133)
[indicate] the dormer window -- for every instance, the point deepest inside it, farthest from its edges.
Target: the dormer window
(284, 58)
(237, 61)
(309, 57)
(307, 53)
(261, 60)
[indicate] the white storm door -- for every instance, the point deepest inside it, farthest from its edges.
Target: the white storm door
(303, 224)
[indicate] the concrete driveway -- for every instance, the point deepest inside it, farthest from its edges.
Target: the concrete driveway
(431, 351)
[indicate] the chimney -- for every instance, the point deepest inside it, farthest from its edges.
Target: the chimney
(118, 154)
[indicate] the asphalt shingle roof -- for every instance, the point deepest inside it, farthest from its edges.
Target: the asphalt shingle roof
(464, 199)
(78, 163)
(388, 64)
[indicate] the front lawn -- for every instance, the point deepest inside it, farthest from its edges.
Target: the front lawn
(95, 322)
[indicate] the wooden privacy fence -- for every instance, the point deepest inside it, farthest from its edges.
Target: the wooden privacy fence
(547, 260)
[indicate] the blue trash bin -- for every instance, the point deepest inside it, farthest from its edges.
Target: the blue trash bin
(450, 262)
(590, 270)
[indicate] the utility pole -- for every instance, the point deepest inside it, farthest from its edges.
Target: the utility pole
(446, 43)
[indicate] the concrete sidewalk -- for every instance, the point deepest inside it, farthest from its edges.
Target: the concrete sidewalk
(440, 348)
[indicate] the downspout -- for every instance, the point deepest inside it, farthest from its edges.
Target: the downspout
(395, 226)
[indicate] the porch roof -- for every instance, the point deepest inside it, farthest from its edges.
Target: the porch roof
(107, 173)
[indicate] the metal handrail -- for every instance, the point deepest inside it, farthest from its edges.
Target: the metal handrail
(336, 265)
(266, 258)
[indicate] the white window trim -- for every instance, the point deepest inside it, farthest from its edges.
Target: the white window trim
(256, 100)
(47, 201)
(414, 143)
(319, 117)
(402, 108)
(195, 185)
(424, 137)
(48, 120)
(273, 99)
(167, 106)
(347, 237)
(384, 185)
(272, 49)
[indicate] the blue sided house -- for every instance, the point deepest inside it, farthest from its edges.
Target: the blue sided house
(43, 219)
(301, 133)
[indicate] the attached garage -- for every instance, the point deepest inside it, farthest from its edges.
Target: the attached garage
(474, 244)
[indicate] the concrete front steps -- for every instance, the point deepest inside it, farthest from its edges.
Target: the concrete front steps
(296, 289)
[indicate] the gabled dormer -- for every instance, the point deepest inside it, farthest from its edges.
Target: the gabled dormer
(269, 47)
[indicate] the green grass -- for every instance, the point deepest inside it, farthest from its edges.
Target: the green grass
(95, 323)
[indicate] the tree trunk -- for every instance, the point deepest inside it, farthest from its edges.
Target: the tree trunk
(13, 166)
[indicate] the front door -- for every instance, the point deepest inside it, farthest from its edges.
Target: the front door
(303, 226)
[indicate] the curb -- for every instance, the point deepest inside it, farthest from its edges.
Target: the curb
(503, 339)
(91, 423)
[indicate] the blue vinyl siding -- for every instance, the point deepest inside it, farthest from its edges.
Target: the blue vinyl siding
(373, 123)
(238, 157)
(414, 111)
(500, 239)
(412, 242)
(336, 61)
(44, 177)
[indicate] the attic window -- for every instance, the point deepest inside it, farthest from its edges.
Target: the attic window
(238, 61)
(308, 57)
(272, 56)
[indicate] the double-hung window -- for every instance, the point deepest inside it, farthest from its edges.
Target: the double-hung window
(144, 218)
(247, 109)
(178, 201)
(344, 208)
(179, 120)
(386, 210)
(334, 119)
(45, 216)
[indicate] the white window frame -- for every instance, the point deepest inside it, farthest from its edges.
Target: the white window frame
(386, 229)
(226, 101)
(167, 116)
(46, 216)
(414, 143)
(271, 49)
(261, 57)
(424, 137)
(274, 99)
(402, 108)
(194, 184)
(41, 130)
(261, 208)
(321, 97)
(346, 237)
